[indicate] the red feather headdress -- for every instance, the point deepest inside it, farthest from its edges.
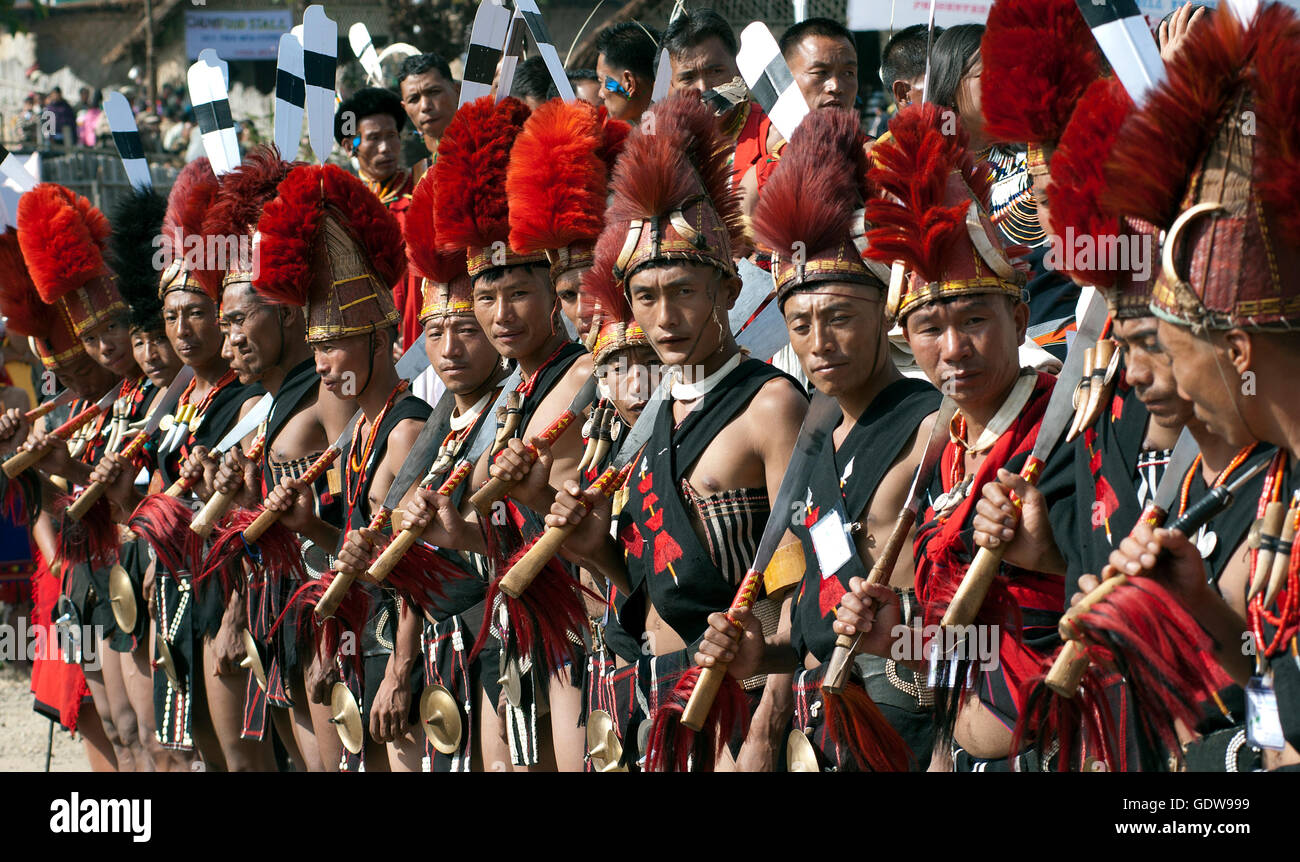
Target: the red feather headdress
(327, 243)
(1225, 125)
(1039, 56)
(473, 211)
(810, 211)
(64, 239)
(1077, 191)
(934, 219)
(192, 196)
(48, 326)
(237, 207)
(446, 280)
(558, 179)
(24, 312)
(673, 199)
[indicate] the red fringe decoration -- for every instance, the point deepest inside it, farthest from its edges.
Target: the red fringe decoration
(557, 180)
(91, 540)
(63, 237)
(1038, 56)
(281, 555)
(20, 304)
(327, 635)
(854, 724)
(164, 522)
(470, 173)
(290, 222)
(542, 617)
(244, 191)
(1082, 727)
(421, 574)
(913, 166)
(1146, 636)
(674, 747)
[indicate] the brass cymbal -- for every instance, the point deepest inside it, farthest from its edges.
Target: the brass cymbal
(347, 718)
(800, 756)
(166, 662)
(603, 745)
(440, 718)
(253, 660)
(121, 594)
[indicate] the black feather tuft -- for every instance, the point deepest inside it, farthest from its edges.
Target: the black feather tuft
(137, 224)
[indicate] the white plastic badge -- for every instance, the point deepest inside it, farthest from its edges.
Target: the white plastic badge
(1263, 723)
(831, 543)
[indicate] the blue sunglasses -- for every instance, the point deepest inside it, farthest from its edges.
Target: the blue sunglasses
(615, 87)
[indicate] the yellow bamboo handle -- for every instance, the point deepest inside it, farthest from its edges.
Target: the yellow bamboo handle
(334, 593)
(968, 600)
(380, 568)
(702, 697)
(88, 498)
(260, 525)
(525, 569)
(212, 512)
(1065, 673)
(22, 460)
(838, 664)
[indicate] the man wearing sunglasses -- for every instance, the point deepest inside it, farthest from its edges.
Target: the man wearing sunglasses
(625, 66)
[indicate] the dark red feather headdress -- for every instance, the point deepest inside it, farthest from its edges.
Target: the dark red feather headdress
(64, 238)
(1078, 214)
(1039, 56)
(327, 243)
(49, 328)
(809, 212)
(445, 288)
(24, 312)
(192, 196)
(236, 209)
(934, 219)
(673, 199)
(558, 180)
(473, 210)
(1222, 131)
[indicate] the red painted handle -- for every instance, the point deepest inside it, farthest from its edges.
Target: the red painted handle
(457, 476)
(317, 469)
(65, 430)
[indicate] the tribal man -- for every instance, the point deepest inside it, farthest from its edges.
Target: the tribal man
(833, 304)
(701, 492)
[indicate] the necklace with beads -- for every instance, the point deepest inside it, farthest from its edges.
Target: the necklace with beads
(1206, 540)
(359, 459)
(1286, 621)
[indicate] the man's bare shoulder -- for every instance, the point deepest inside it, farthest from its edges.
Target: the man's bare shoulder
(778, 404)
(333, 412)
(402, 436)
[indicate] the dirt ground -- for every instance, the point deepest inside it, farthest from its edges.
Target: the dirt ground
(24, 733)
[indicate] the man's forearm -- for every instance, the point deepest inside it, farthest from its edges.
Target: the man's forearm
(774, 709)
(406, 645)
